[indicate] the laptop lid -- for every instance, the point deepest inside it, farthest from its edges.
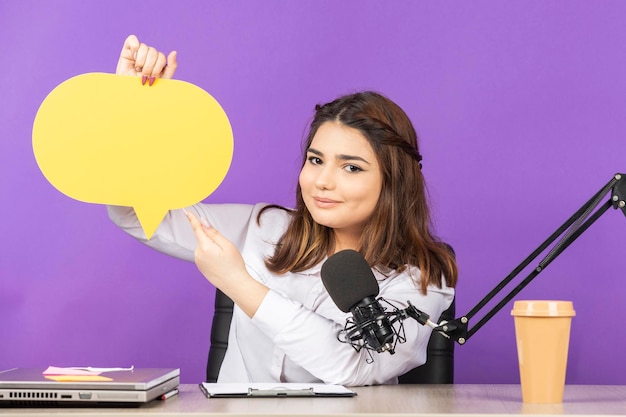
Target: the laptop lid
(138, 385)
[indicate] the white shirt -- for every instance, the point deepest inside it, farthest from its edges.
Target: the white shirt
(293, 335)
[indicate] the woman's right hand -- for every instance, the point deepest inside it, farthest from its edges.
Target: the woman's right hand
(140, 59)
(222, 264)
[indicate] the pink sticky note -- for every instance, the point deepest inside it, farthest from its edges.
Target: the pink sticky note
(54, 370)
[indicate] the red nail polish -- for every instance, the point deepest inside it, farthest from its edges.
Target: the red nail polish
(151, 81)
(144, 78)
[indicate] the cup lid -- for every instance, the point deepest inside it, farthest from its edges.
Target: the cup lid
(543, 308)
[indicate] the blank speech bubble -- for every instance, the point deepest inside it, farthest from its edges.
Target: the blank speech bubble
(108, 139)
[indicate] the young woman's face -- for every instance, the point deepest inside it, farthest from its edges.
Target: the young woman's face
(341, 179)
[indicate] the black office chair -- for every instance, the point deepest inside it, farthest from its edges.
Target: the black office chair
(438, 369)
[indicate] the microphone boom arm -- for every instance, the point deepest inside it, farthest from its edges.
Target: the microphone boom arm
(458, 329)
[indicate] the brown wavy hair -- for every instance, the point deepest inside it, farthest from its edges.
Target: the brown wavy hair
(398, 233)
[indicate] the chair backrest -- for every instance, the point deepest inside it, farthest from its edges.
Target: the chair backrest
(439, 366)
(438, 369)
(220, 327)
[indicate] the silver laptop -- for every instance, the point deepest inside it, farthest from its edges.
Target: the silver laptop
(28, 386)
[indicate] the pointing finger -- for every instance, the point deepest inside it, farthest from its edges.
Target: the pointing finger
(196, 225)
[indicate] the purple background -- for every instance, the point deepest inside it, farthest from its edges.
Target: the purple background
(520, 106)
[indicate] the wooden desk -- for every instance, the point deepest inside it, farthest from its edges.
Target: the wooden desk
(399, 400)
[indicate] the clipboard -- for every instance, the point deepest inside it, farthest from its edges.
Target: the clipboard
(277, 390)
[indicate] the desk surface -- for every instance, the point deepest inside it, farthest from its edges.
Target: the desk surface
(400, 400)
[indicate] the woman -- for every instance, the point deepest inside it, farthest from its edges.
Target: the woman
(360, 188)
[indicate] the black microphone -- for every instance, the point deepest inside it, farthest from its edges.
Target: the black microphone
(352, 286)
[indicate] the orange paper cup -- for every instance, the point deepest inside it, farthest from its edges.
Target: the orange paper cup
(542, 330)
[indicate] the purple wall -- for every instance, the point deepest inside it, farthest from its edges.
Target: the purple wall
(520, 106)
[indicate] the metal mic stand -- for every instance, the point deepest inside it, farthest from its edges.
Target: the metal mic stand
(459, 330)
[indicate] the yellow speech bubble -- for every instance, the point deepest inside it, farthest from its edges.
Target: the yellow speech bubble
(108, 139)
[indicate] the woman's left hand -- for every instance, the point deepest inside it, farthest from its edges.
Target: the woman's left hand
(138, 58)
(221, 263)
